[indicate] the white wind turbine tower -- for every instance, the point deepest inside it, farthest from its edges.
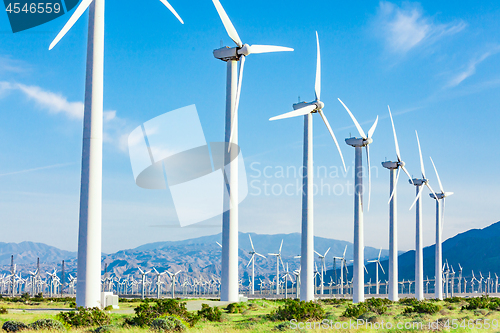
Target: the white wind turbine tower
(440, 198)
(342, 265)
(143, 279)
(393, 215)
(158, 282)
(173, 275)
(89, 233)
(253, 253)
(377, 264)
(307, 234)
(419, 247)
(229, 273)
(358, 144)
(323, 268)
(278, 260)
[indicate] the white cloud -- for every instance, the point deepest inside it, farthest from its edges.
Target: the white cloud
(405, 28)
(54, 103)
(470, 69)
(14, 66)
(114, 127)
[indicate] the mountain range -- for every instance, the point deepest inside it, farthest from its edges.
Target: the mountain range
(475, 249)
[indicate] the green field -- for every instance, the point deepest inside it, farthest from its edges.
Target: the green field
(261, 315)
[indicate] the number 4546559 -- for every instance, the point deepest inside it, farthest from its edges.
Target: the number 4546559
(33, 8)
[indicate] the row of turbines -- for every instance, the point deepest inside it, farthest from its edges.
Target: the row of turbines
(89, 240)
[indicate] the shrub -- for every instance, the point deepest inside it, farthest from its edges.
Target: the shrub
(146, 312)
(483, 302)
(85, 317)
(299, 310)
(333, 301)
(14, 326)
(168, 324)
(104, 329)
(375, 305)
(3, 310)
(422, 307)
(236, 307)
(209, 313)
(407, 301)
(47, 324)
(453, 299)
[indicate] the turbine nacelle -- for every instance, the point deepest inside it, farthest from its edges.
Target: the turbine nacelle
(390, 165)
(418, 182)
(318, 104)
(441, 195)
(358, 142)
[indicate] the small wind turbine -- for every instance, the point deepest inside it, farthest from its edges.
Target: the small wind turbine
(229, 278)
(377, 264)
(143, 281)
(358, 144)
(342, 265)
(439, 197)
(158, 282)
(278, 260)
(419, 247)
(307, 234)
(323, 268)
(173, 275)
(89, 235)
(393, 215)
(253, 253)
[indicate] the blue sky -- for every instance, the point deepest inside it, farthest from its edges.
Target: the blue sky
(436, 63)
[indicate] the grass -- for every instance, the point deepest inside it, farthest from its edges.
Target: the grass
(254, 318)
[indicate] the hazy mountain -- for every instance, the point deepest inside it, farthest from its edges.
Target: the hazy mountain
(28, 252)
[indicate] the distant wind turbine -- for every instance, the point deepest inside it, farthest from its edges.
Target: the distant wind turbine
(253, 253)
(358, 293)
(377, 264)
(278, 261)
(307, 235)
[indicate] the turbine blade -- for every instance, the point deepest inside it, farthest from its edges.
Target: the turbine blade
(395, 185)
(250, 261)
(300, 112)
(372, 129)
(437, 175)
(360, 130)
(282, 265)
(281, 246)
(369, 176)
(381, 267)
(326, 252)
(260, 255)
(319, 255)
(219, 244)
(365, 269)
(421, 160)
(417, 197)
(333, 136)
(255, 49)
(231, 31)
(430, 188)
(234, 122)
(317, 84)
(178, 272)
(251, 243)
(395, 136)
(379, 253)
(345, 251)
(72, 20)
(407, 173)
(165, 2)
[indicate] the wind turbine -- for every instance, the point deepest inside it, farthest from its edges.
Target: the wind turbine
(419, 247)
(278, 260)
(158, 282)
(89, 234)
(229, 275)
(358, 144)
(393, 215)
(342, 265)
(439, 197)
(173, 275)
(323, 267)
(307, 234)
(143, 279)
(377, 264)
(253, 253)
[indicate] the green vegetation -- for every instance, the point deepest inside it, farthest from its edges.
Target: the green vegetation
(84, 317)
(298, 310)
(257, 315)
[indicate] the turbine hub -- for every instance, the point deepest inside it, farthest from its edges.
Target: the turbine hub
(320, 105)
(245, 50)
